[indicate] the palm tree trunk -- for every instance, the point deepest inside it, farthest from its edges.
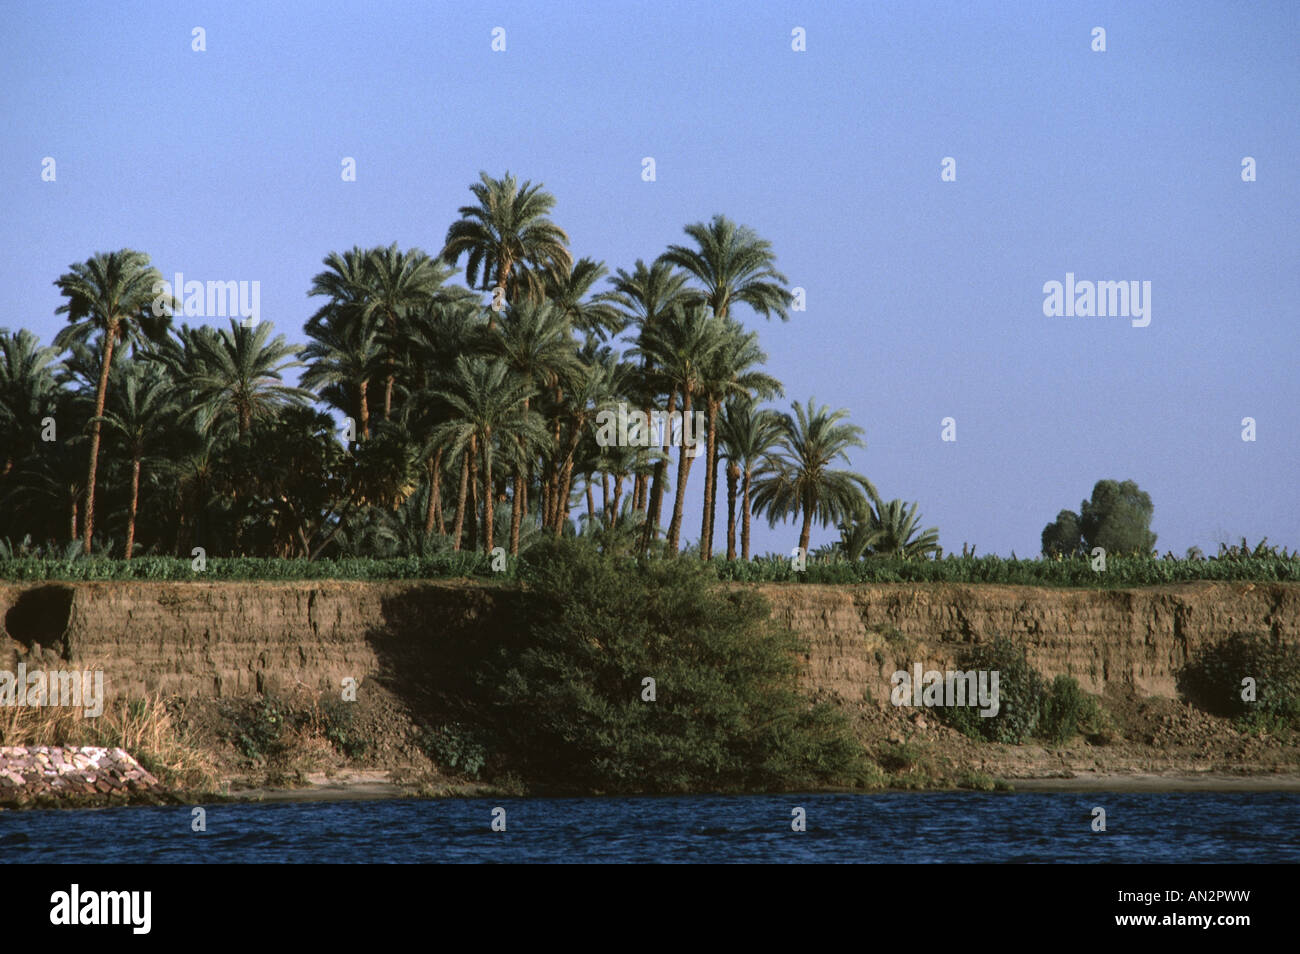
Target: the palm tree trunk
(733, 477)
(618, 492)
(489, 501)
(135, 497)
(363, 409)
(657, 489)
(516, 511)
(683, 471)
(591, 502)
(460, 502)
(110, 332)
(744, 516)
(710, 481)
(604, 497)
(473, 494)
(805, 535)
(73, 522)
(433, 516)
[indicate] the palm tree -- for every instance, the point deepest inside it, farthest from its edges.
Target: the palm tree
(747, 435)
(680, 348)
(27, 393)
(509, 239)
(111, 295)
(536, 344)
(342, 359)
(236, 376)
(799, 479)
(142, 409)
(568, 289)
(891, 528)
(398, 283)
(734, 265)
(647, 294)
(486, 402)
(729, 373)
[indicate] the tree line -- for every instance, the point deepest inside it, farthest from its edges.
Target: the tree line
(467, 424)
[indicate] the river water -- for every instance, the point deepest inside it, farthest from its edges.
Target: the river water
(1165, 827)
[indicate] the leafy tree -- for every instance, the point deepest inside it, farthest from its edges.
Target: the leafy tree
(1118, 518)
(1062, 537)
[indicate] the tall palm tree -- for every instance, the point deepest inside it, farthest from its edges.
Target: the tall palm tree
(680, 347)
(734, 265)
(747, 435)
(142, 410)
(647, 294)
(730, 372)
(536, 344)
(486, 403)
(798, 480)
(111, 295)
(508, 238)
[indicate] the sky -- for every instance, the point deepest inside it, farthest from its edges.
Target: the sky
(924, 297)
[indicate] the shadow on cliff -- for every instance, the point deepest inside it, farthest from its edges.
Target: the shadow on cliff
(38, 620)
(433, 649)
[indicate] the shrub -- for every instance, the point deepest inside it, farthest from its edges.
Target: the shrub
(1212, 680)
(455, 747)
(727, 713)
(1020, 695)
(1066, 711)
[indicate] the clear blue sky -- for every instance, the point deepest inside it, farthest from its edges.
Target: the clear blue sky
(924, 297)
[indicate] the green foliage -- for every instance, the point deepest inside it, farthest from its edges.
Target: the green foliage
(258, 733)
(1062, 537)
(1117, 518)
(727, 715)
(456, 747)
(1066, 711)
(1020, 695)
(1212, 680)
(1120, 571)
(339, 720)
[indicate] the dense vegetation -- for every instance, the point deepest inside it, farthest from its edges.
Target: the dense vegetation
(573, 706)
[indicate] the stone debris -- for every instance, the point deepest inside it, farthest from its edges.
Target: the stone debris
(31, 772)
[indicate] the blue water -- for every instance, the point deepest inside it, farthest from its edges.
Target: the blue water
(928, 827)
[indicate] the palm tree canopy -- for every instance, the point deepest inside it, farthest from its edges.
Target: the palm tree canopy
(734, 265)
(508, 238)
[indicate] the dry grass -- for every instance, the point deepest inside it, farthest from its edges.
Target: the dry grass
(144, 727)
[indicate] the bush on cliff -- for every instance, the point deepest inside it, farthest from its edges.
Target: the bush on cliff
(1021, 692)
(1213, 678)
(723, 712)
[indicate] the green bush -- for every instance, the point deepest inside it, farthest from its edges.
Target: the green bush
(1212, 680)
(340, 728)
(1020, 695)
(727, 714)
(456, 747)
(1066, 711)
